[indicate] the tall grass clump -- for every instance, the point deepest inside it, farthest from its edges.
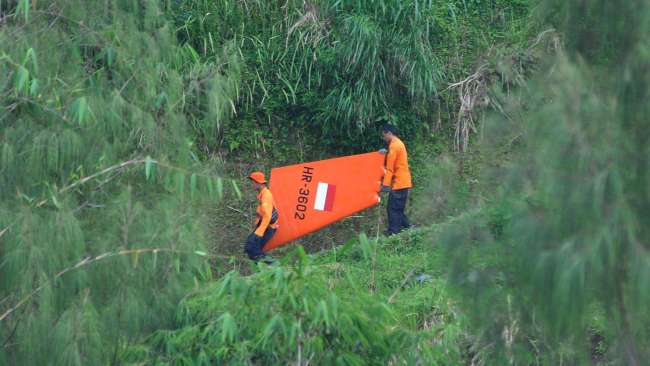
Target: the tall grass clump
(324, 75)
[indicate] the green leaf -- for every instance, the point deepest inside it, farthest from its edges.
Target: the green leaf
(219, 184)
(30, 56)
(192, 185)
(148, 163)
(203, 358)
(235, 187)
(210, 185)
(201, 253)
(365, 246)
(56, 202)
(192, 52)
(34, 87)
(325, 312)
(8, 155)
(180, 183)
(21, 79)
(290, 87)
(269, 329)
(23, 7)
(228, 328)
(110, 56)
(79, 110)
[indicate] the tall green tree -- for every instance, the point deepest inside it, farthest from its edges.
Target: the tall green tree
(99, 237)
(567, 278)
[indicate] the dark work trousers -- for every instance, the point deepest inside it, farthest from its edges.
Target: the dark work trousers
(397, 220)
(254, 244)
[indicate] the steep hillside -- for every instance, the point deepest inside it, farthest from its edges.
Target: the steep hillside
(367, 302)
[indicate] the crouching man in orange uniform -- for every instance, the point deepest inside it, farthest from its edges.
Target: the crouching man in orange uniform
(266, 222)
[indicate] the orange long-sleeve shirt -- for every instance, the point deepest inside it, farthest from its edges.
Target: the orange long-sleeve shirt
(264, 211)
(398, 175)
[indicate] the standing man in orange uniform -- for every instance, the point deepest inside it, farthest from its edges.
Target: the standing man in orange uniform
(397, 180)
(267, 219)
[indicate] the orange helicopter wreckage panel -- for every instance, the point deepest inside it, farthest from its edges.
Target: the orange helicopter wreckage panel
(310, 196)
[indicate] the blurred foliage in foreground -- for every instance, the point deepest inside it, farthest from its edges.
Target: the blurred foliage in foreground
(99, 237)
(566, 275)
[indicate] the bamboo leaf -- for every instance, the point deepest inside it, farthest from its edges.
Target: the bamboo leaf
(56, 202)
(34, 87)
(135, 258)
(110, 56)
(30, 56)
(148, 163)
(21, 79)
(235, 187)
(192, 52)
(79, 110)
(219, 184)
(8, 154)
(23, 8)
(228, 328)
(270, 327)
(180, 183)
(292, 91)
(326, 315)
(192, 185)
(210, 185)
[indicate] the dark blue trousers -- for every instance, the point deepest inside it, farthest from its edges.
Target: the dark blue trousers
(397, 220)
(254, 244)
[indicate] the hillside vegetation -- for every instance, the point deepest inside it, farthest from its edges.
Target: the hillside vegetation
(127, 128)
(367, 302)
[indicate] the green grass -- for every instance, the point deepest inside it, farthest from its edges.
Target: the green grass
(378, 301)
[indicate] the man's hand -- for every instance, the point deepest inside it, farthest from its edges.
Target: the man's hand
(385, 189)
(383, 151)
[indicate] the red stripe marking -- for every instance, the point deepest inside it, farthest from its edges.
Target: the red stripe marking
(329, 199)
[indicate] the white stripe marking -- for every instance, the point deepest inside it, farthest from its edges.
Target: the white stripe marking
(321, 196)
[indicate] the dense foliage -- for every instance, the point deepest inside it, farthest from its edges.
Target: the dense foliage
(566, 273)
(98, 232)
(319, 311)
(116, 115)
(326, 74)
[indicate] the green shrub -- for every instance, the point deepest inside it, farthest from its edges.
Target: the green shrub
(279, 316)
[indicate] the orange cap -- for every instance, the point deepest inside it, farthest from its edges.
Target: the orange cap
(257, 177)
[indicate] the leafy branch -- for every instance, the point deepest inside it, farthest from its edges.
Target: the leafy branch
(93, 259)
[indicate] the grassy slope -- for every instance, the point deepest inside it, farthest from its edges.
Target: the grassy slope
(396, 284)
(405, 272)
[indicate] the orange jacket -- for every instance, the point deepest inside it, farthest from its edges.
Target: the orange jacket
(397, 174)
(264, 211)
